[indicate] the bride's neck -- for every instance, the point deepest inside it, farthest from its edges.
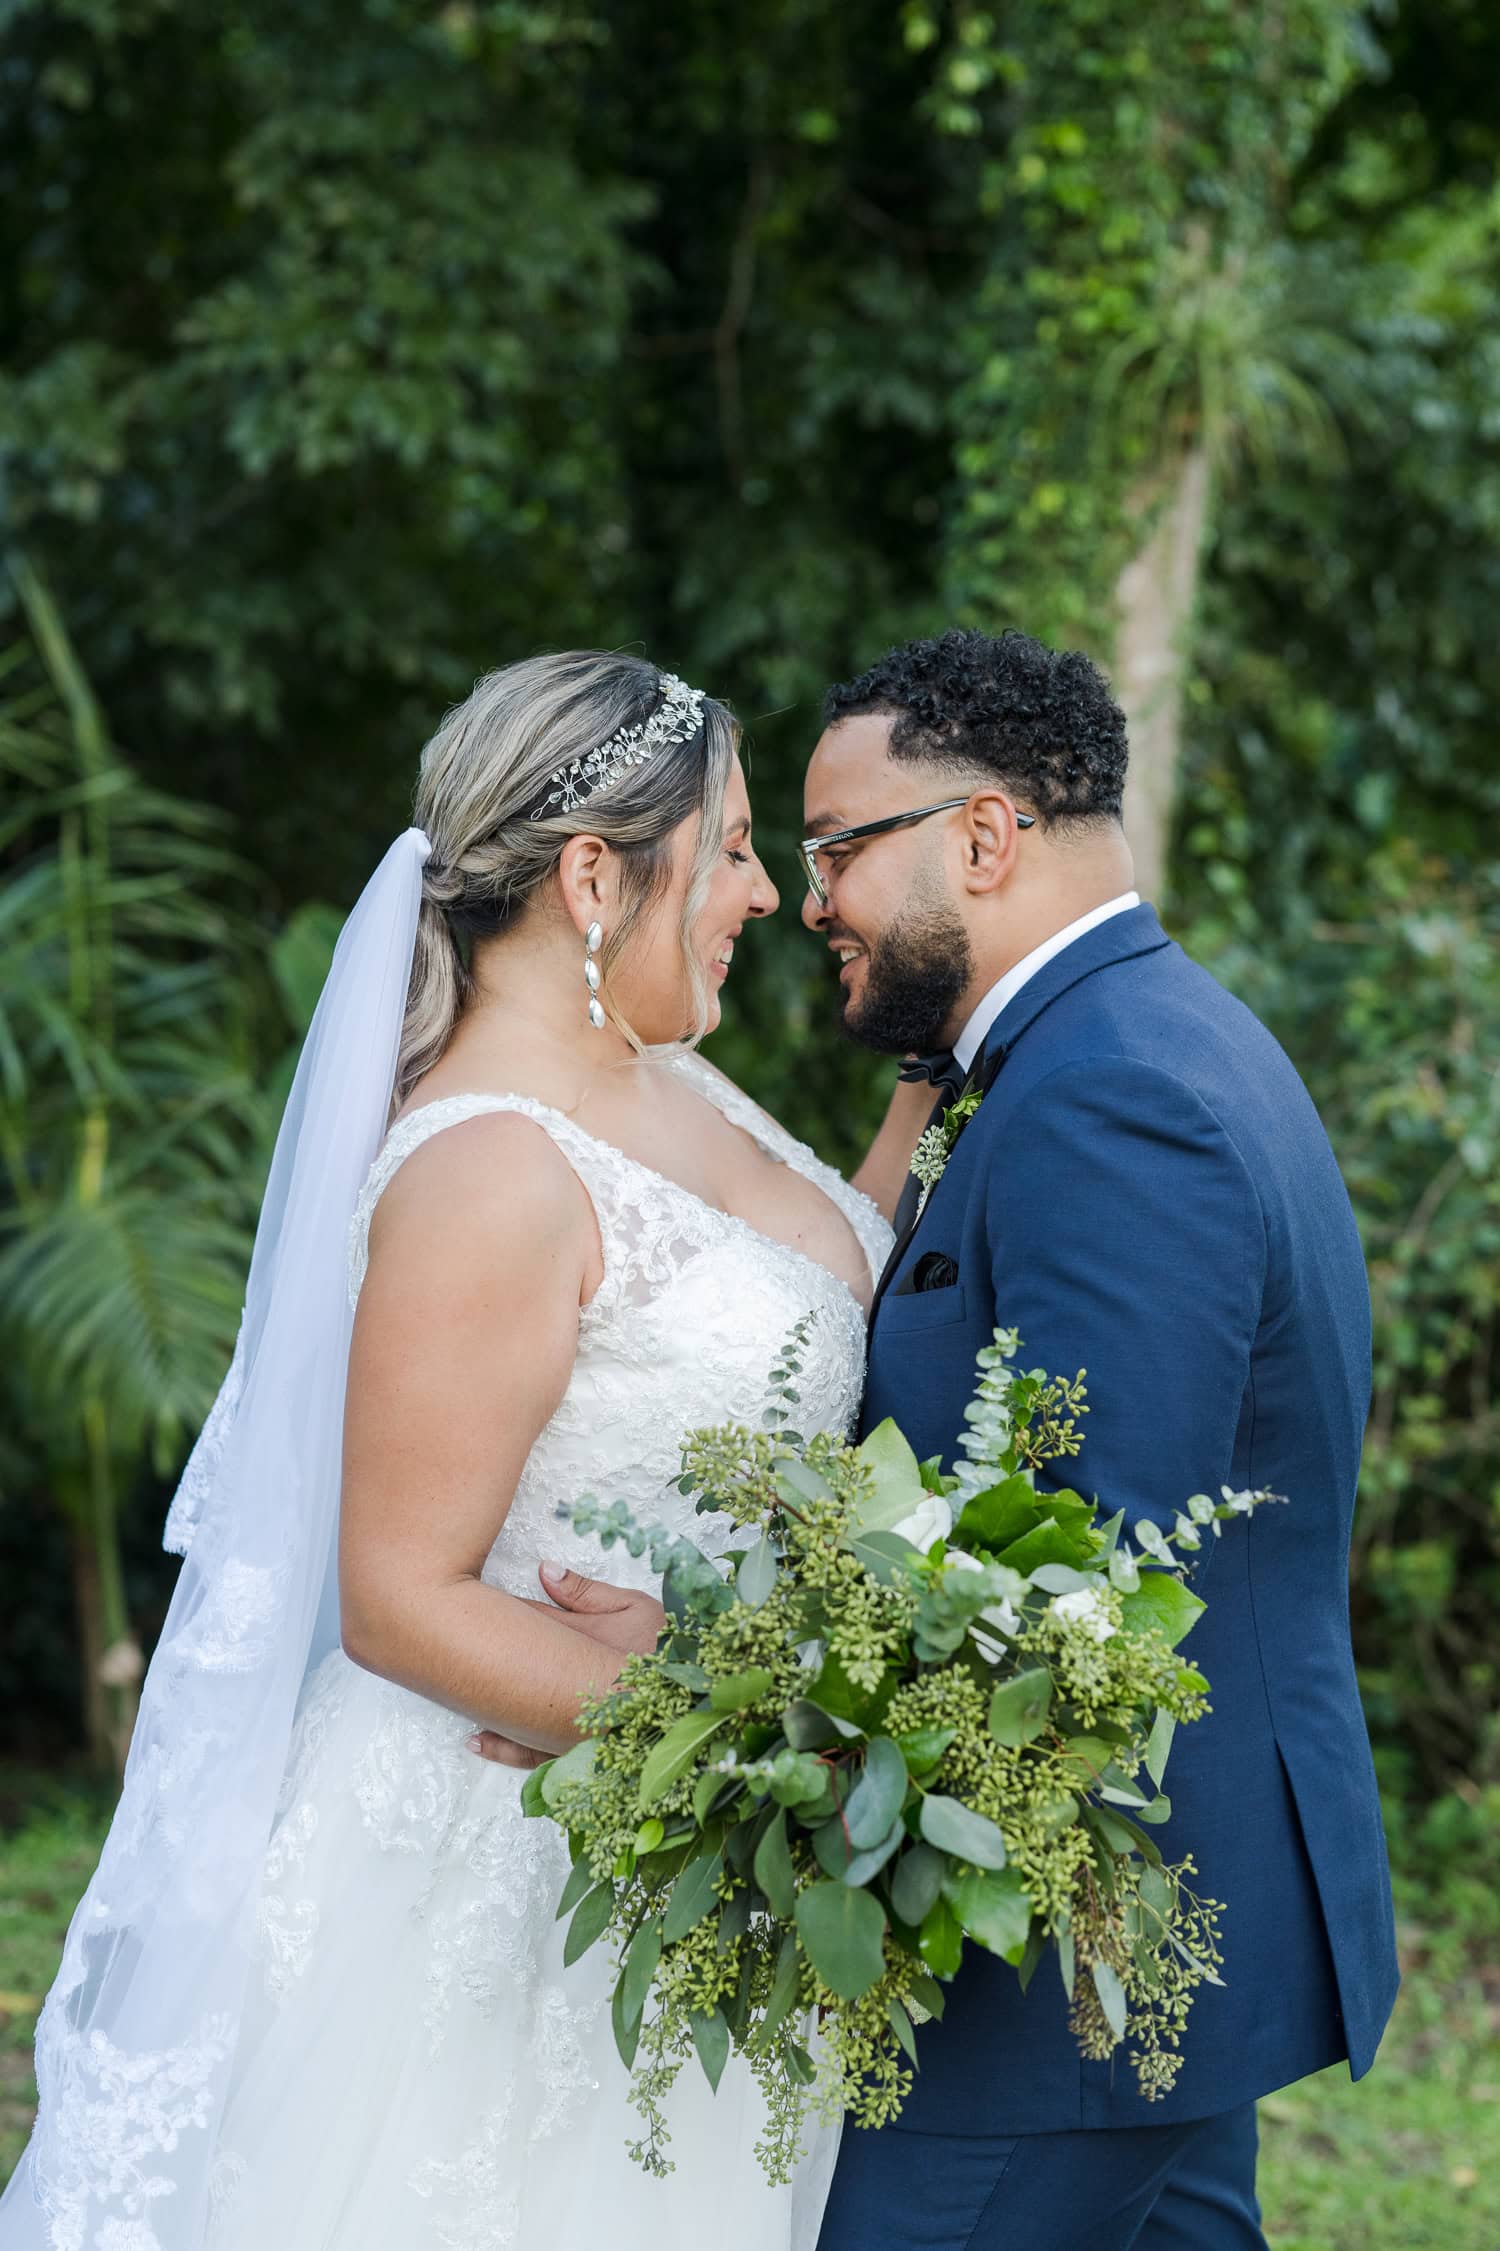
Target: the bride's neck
(529, 999)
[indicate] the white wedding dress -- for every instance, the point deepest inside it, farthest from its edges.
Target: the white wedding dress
(416, 2067)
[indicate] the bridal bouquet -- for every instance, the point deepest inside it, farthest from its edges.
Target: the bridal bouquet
(906, 1713)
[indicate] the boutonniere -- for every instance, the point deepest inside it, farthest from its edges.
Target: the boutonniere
(930, 1157)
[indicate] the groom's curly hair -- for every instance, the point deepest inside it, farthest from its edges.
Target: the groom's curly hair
(1041, 721)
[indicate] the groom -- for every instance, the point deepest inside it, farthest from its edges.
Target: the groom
(1144, 1191)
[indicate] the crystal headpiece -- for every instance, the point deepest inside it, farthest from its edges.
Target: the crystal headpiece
(676, 719)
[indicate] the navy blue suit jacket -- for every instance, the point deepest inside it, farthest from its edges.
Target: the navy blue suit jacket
(1146, 1192)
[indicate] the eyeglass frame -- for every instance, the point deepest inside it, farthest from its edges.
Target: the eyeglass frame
(811, 846)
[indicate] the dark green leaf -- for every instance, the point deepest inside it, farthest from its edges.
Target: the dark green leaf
(693, 1895)
(580, 1880)
(942, 1939)
(1111, 1997)
(900, 2024)
(992, 1908)
(711, 2039)
(924, 1747)
(783, 1994)
(627, 2028)
(670, 1759)
(1161, 1603)
(734, 1920)
(737, 1690)
(641, 1958)
(534, 1790)
(589, 1922)
(774, 1871)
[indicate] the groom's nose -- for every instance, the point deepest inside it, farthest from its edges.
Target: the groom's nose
(815, 911)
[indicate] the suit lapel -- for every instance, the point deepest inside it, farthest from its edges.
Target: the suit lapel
(1123, 938)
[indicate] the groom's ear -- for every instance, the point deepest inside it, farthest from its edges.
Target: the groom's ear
(988, 835)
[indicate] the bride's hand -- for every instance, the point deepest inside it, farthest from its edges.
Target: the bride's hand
(618, 1616)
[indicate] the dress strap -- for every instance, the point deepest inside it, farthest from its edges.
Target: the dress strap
(590, 1160)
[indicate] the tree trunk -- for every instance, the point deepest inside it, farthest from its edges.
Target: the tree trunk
(89, 1609)
(119, 1665)
(1154, 600)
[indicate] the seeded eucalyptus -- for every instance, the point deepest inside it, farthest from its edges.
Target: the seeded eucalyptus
(904, 1712)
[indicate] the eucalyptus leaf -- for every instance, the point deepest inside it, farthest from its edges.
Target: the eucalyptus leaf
(878, 1795)
(1020, 1706)
(757, 1573)
(843, 1933)
(916, 1883)
(957, 1829)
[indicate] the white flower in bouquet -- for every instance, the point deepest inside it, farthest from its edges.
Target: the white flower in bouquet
(1086, 1609)
(931, 1519)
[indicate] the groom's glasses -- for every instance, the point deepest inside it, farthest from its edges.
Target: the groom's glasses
(812, 847)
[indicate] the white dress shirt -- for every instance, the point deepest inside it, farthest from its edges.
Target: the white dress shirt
(1000, 995)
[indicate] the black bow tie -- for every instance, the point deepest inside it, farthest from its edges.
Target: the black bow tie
(941, 1069)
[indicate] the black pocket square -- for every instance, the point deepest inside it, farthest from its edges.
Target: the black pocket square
(934, 1270)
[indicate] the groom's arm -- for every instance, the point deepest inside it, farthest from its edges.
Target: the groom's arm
(1127, 1238)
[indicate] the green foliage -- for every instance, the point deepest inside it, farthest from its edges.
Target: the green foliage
(877, 1746)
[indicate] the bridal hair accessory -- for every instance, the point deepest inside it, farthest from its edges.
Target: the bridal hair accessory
(593, 939)
(676, 719)
(136, 2045)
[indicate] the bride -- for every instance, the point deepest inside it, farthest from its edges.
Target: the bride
(314, 1997)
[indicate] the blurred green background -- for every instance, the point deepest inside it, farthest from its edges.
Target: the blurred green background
(351, 347)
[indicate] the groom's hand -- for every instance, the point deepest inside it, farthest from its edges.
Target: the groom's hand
(618, 1616)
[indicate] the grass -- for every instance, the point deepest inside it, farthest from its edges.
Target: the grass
(1409, 2160)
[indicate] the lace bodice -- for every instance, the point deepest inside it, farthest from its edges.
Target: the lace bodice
(684, 1329)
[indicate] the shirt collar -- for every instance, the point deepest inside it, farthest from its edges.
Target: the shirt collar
(972, 1037)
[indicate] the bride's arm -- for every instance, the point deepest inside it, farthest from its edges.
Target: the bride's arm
(481, 1251)
(882, 1176)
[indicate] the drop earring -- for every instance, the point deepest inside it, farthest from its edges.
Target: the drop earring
(593, 939)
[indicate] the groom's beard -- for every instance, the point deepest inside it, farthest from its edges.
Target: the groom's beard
(915, 975)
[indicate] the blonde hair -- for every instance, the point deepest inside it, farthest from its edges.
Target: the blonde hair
(485, 769)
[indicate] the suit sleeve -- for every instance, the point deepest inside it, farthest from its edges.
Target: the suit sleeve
(1127, 1239)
